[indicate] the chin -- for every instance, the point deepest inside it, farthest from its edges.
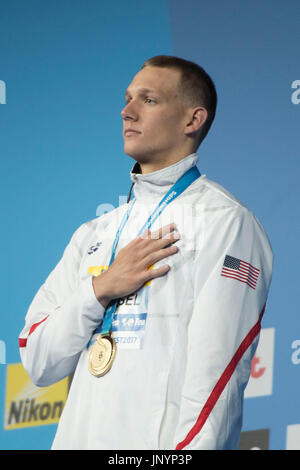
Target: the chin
(141, 156)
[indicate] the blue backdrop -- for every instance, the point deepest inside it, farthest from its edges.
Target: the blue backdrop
(65, 66)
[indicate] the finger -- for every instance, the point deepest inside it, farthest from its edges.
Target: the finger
(163, 231)
(158, 255)
(146, 234)
(154, 246)
(164, 243)
(169, 238)
(153, 273)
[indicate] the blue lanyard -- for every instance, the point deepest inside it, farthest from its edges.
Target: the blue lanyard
(181, 185)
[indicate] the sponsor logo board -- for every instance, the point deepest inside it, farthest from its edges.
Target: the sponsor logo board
(293, 437)
(27, 405)
(261, 378)
(255, 440)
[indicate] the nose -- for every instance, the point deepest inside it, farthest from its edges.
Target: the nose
(129, 112)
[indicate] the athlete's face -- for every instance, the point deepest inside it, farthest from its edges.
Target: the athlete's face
(155, 112)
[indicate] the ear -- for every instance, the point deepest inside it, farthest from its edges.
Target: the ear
(197, 118)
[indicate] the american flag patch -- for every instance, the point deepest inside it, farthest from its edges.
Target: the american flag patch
(240, 271)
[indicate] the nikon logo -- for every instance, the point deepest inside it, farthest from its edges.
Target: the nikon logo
(27, 405)
(26, 411)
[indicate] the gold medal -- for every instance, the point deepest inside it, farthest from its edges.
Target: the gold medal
(102, 355)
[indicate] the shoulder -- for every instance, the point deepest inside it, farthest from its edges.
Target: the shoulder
(225, 212)
(213, 195)
(210, 196)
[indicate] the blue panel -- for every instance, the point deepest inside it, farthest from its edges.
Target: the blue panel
(66, 66)
(251, 50)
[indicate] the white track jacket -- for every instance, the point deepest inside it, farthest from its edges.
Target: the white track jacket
(185, 340)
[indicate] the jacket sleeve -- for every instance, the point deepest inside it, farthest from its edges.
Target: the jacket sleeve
(60, 320)
(231, 284)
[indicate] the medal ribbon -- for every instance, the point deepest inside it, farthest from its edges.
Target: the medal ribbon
(181, 185)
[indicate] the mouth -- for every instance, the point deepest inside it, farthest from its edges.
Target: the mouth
(130, 133)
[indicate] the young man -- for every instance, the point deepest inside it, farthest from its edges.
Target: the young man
(157, 305)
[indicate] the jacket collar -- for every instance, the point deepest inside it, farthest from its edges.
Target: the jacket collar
(152, 186)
